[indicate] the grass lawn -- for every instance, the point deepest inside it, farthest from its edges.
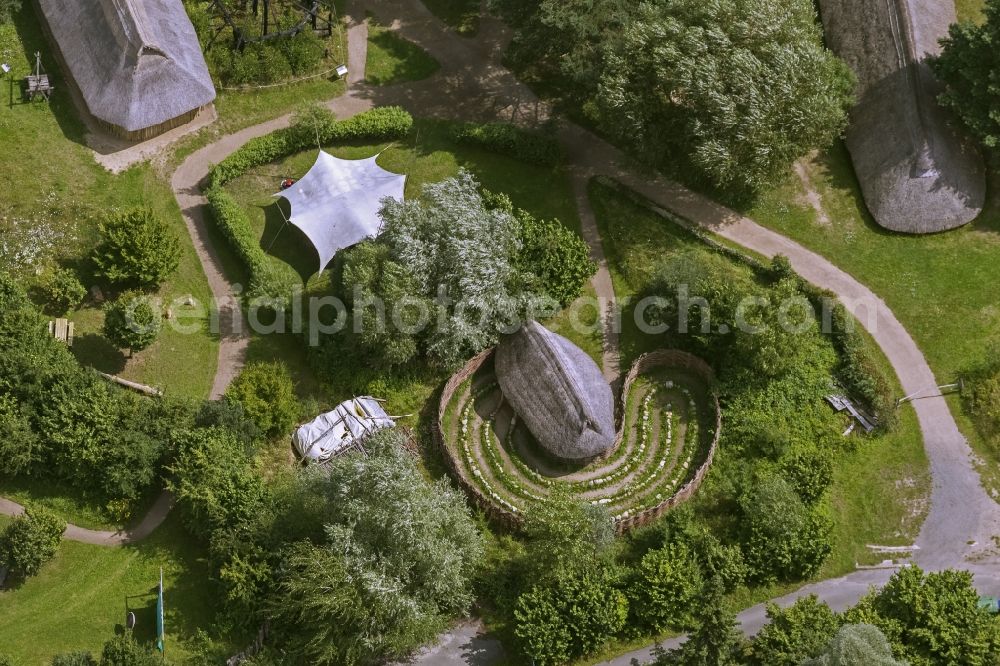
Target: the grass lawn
(58, 190)
(393, 59)
(78, 599)
(942, 287)
(460, 15)
(879, 490)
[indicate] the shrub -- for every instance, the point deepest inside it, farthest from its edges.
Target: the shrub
(793, 634)
(303, 52)
(31, 540)
(556, 255)
(267, 396)
(132, 321)
(217, 485)
(387, 122)
(512, 141)
(982, 398)
(666, 587)
(61, 290)
(79, 658)
(20, 447)
(125, 650)
(969, 67)
(6, 660)
(137, 249)
(784, 539)
(810, 472)
(570, 618)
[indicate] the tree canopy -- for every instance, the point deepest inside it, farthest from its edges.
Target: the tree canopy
(731, 92)
(969, 67)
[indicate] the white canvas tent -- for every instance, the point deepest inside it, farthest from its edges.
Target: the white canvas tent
(336, 204)
(334, 432)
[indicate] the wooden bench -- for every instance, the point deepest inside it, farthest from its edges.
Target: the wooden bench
(62, 330)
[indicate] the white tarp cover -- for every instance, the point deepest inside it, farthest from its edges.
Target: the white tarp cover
(329, 434)
(336, 204)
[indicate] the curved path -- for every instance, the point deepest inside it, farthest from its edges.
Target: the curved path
(473, 85)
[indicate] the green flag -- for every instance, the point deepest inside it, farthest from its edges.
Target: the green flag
(159, 614)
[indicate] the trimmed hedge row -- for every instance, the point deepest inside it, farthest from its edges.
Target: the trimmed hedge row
(858, 371)
(510, 140)
(231, 219)
(387, 122)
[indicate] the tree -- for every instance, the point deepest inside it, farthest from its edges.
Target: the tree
(137, 249)
(556, 256)
(395, 565)
(20, 447)
(715, 640)
(794, 634)
(132, 322)
(857, 645)
(267, 396)
(381, 286)
(461, 254)
(932, 618)
(666, 587)
(734, 90)
(563, 534)
(969, 67)
(783, 539)
(61, 290)
(570, 617)
(217, 486)
(31, 540)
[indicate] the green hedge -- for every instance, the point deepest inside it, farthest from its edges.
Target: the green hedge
(388, 122)
(233, 222)
(510, 140)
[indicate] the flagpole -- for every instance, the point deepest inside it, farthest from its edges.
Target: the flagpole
(159, 617)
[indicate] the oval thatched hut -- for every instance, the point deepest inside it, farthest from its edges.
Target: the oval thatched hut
(137, 63)
(917, 173)
(557, 391)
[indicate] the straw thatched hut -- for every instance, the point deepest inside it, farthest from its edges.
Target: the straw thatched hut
(557, 391)
(917, 173)
(136, 63)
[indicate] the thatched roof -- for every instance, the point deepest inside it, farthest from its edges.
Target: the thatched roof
(557, 391)
(137, 63)
(917, 172)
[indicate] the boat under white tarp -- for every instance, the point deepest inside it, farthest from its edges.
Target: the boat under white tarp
(337, 203)
(336, 431)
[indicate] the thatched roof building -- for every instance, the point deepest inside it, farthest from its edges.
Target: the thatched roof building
(557, 391)
(917, 173)
(137, 63)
